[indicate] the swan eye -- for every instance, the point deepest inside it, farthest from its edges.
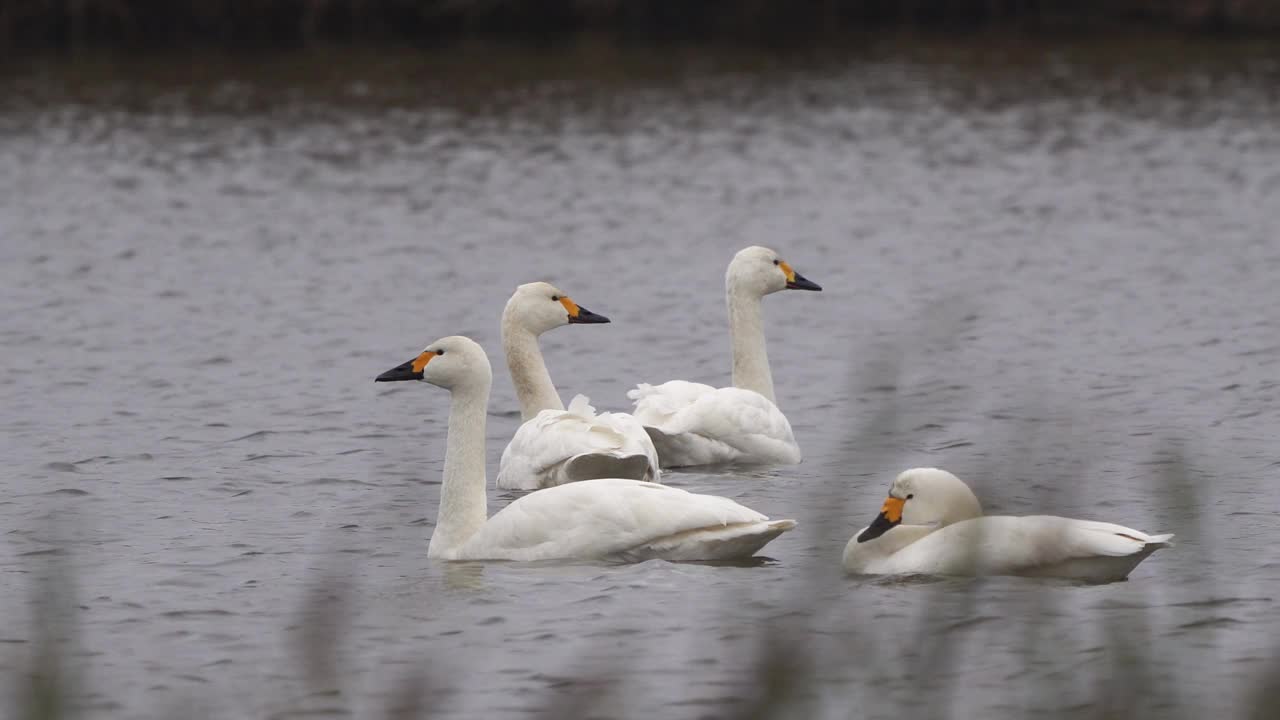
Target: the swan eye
(910, 495)
(439, 352)
(776, 261)
(555, 298)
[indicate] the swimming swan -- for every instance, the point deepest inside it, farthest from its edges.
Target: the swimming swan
(932, 524)
(614, 519)
(696, 424)
(554, 446)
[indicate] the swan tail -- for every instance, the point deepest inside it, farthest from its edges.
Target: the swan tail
(1100, 538)
(736, 541)
(1098, 568)
(1103, 553)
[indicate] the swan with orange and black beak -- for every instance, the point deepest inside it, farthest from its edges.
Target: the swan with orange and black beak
(555, 445)
(932, 524)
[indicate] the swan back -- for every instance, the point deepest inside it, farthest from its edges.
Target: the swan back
(615, 518)
(1033, 545)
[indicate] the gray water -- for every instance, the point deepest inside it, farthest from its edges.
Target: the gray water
(1053, 273)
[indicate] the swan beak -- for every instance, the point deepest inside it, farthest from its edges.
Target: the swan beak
(796, 281)
(889, 517)
(411, 370)
(579, 314)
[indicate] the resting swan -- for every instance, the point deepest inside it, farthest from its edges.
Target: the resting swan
(613, 519)
(932, 524)
(554, 446)
(696, 424)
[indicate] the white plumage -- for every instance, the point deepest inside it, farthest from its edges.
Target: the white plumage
(695, 424)
(939, 529)
(561, 446)
(619, 519)
(554, 445)
(610, 519)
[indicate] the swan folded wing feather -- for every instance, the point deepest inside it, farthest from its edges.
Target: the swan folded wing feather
(598, 519)
(731, 413)
(655, 404)
(553, 437)
(1087, 538)
(709, 425)
(1014, 545)
(691, 449)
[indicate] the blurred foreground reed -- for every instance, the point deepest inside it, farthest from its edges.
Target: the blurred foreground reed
(787, 676)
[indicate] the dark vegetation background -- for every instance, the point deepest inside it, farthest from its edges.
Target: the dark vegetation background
(49, 24)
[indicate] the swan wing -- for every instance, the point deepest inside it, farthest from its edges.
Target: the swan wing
(605, 518)
(656, 404)
(559, 446)
(695, 424)
(1039, 545)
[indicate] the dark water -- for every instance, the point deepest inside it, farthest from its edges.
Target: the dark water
(1049, 272)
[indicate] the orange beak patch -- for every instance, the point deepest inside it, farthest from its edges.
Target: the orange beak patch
(421, 361)
(892, 509)
(786, 270)
(571, 306)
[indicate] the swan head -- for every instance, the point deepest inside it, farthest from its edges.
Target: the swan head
(924, 496)
(760, 271)
(452, 362)
(540, 306)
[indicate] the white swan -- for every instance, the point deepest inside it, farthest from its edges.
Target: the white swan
(615, 519)
(932, 524)
(696, 424)
(555, 446)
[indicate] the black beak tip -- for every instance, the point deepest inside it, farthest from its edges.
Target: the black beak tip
(803, 283)
(586, 317)
(881, 525)
(399, 373)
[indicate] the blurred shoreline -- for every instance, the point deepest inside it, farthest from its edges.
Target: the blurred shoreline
(998, 62)
(133, 25)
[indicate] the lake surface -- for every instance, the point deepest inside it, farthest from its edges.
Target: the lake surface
(1054, 273)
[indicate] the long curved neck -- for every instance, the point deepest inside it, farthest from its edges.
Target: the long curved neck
(746, 331)
(859, 556)
(463, 506)
(529, 373)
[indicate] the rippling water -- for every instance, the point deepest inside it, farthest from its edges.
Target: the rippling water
(1049, 275)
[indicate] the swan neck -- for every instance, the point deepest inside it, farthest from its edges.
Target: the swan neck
(746, 332)
(860, 557)
(529, 374)
(463, 506)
